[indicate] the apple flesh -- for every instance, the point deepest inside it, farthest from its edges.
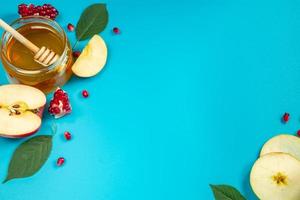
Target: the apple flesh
(282, 143)
(21, 109)
(275, 176)
(92, 59)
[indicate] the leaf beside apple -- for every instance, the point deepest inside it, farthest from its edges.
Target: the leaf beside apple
(29, 157)
(226, 192)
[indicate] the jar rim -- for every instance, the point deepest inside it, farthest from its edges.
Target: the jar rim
(44, 20)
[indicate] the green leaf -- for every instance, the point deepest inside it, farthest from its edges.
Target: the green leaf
(226, 192)
(29, 157)
(92, 21)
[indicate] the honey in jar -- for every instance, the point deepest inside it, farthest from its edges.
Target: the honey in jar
(19, 62)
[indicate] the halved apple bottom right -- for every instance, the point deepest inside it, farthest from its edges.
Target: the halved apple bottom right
(276, 176)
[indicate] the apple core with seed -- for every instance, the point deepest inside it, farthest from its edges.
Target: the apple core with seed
(21, 109)
(275, 176)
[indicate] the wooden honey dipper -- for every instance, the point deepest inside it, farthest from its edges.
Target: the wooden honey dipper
(42, 55)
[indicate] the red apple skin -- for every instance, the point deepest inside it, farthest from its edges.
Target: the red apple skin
(20, 136)
(41, 111)
(40, 114)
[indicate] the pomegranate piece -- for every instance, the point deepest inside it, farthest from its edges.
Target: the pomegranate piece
(60, 104)
(46, 10)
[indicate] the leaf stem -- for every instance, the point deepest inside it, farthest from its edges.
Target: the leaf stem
(74, 46)
(54, 129)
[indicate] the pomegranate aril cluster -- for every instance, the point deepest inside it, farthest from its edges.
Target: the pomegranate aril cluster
(60, 104)
(46, 10)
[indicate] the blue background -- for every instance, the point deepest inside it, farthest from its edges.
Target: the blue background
(191, 91)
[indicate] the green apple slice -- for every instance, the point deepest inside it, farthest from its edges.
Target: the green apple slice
(275, 176)
(282, 143)
(92, 59)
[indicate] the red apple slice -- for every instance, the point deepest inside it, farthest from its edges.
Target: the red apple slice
(21, 109)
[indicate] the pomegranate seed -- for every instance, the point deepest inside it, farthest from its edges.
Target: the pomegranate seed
(67, 135)
(31, 6)
(70, 27)
(42, 13)
(52, 16)
(116, 30)
(22, 6)
(286, 117)
(59, 91)
(85, 93)
(60, 161)
(56, 110)
(76, 54)
(298, 133)
(38, 8)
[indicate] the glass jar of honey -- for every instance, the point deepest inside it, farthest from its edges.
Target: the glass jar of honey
(19, 62)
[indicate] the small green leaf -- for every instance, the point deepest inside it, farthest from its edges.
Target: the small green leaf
(29, 157)
(92, 21)
(226, 192)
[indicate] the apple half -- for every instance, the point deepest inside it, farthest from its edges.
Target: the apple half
(21, 109)
(275, 176)
(282, 143)
(92, 59)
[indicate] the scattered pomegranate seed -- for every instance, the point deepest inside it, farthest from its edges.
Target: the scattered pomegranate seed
(298, 133)
(116, 30)
(59, 105)
(68, 135)
(85, 93)
(76, 54)
(70, 27)
(286, 117)
(46, 10)
(60, 161)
